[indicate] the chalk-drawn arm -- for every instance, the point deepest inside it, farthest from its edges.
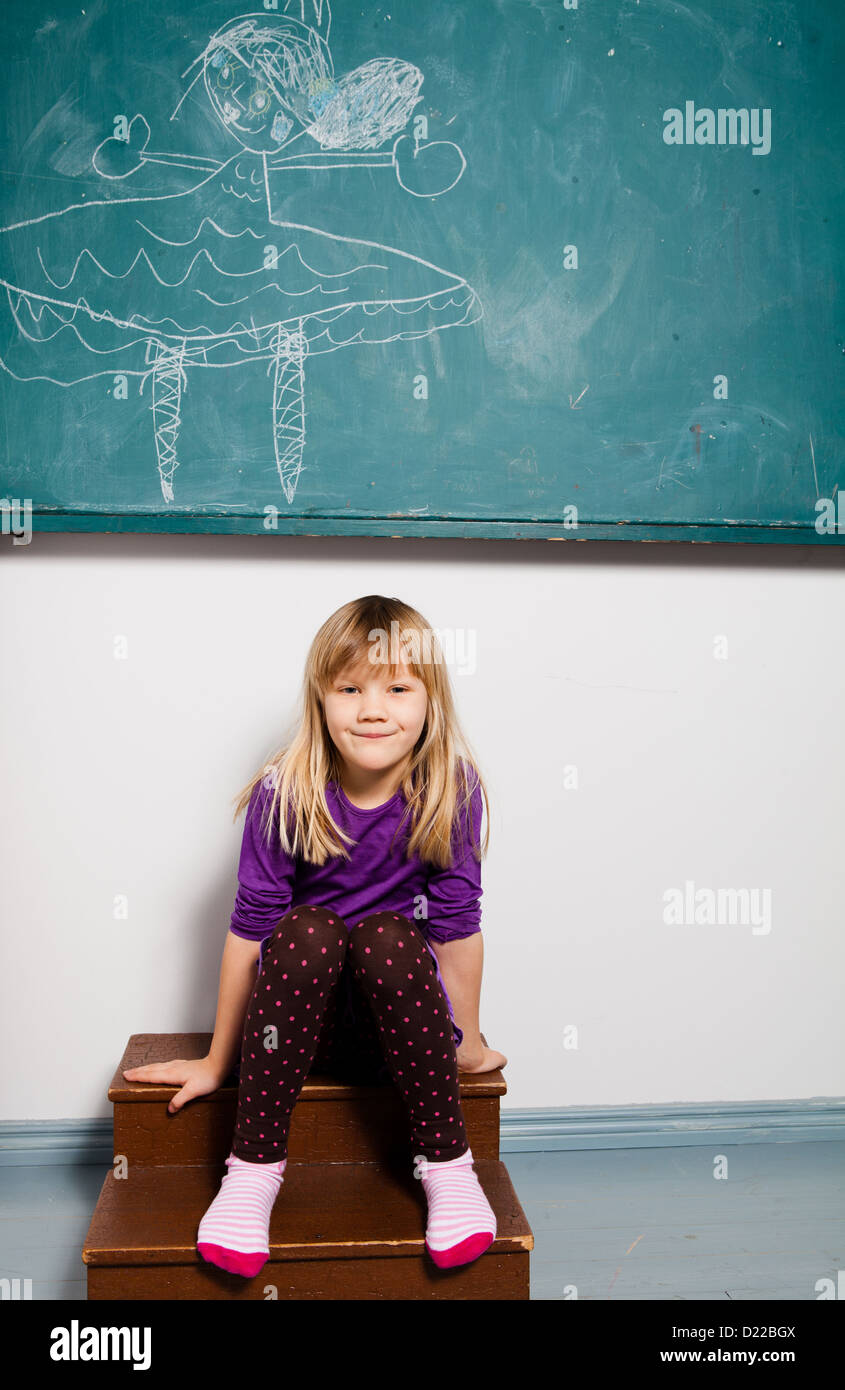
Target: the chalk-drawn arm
(117, 159)
(419, 170)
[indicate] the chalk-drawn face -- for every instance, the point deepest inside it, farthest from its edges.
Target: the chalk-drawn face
(262, 84)
(245, 101)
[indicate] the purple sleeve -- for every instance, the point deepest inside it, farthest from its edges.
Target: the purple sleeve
(265, 875)
(454, 907)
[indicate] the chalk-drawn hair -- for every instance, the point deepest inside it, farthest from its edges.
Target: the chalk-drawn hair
(441, 774)
(292, 63)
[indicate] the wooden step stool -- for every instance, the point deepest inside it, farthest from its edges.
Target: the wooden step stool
(349, 1220)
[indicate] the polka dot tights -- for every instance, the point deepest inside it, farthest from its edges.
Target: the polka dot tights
(294, 1019)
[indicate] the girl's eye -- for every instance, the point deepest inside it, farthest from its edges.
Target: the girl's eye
(343, 689)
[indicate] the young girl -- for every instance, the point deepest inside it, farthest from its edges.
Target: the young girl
(377, 875)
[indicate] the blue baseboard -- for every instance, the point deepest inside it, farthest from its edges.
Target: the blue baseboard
(666, 1126)
(522, 1131)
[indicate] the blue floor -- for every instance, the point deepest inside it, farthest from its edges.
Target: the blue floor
(656, 1224)
(608, 1223)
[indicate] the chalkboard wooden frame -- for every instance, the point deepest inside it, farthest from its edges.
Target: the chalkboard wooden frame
(454, 528)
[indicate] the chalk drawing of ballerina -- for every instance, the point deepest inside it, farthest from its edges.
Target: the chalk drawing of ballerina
(206, 277)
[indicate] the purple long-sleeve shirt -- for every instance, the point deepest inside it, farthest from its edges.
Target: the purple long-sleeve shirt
(375, 878)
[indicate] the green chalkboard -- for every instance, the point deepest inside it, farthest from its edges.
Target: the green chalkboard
(552, 268)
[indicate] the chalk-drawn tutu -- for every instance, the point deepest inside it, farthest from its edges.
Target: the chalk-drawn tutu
(155, 286)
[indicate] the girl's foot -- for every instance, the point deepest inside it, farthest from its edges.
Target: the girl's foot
(461, 1222)
(234, 1234)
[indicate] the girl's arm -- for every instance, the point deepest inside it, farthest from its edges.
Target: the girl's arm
(266, 876)
(461, 962)
(453, 930)
(237, 981)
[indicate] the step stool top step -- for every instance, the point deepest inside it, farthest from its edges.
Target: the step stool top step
(164, 1047)
(323, 1211)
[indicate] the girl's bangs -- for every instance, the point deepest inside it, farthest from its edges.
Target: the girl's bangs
(353, 651)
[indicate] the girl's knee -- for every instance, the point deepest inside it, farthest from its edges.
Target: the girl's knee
(305, 927)
(382, 930)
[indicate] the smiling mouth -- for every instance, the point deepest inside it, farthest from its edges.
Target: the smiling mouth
(372, 735)
(234, 120)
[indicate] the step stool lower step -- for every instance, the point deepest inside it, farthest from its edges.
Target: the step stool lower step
(337, 1231)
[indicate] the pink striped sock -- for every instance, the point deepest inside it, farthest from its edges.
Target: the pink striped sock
(461, 1222)
(235, 1231)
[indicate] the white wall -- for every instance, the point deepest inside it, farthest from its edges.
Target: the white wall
(118, 776)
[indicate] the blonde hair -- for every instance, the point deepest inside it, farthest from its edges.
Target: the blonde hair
(438, 782)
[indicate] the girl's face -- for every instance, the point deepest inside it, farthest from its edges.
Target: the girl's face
(375, 721)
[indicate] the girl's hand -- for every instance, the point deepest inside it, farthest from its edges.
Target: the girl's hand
(197, 1076)
(481, 1058)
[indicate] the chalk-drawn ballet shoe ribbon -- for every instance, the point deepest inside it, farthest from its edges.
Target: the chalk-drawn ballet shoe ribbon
(427, 169)
(117, 159)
